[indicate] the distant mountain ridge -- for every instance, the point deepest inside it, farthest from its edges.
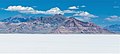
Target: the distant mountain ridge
(17, 19)
(56, 24)
(113, 28)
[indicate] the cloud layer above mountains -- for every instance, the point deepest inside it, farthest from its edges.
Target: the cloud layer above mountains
(52, 11)
(30, 10)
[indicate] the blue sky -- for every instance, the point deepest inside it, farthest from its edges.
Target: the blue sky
(101, 12)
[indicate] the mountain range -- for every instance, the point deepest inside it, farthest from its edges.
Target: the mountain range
(56, 24)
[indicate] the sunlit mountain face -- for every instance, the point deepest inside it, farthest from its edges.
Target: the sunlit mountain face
(60, 16)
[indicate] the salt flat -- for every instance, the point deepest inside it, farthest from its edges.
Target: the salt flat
(56, 43)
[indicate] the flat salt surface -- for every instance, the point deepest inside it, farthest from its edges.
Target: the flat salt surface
(59, 44)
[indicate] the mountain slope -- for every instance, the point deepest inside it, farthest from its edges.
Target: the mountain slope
(72, 25)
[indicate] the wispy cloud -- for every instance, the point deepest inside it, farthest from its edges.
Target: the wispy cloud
(70, 11)
(83, 6)
(113, 18)
(116, 6)
(1, 8)
(74, 7)
(85, 16)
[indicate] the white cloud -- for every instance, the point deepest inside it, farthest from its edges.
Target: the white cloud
(83, 6)
(22, 9)
(19, 8)
(74, 7)
(113, 18)
(55, 10)
(70, 11)
(84, 16)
